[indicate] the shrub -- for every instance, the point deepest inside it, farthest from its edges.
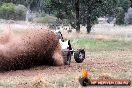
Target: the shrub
(128, 16)
(120, 14)
(8, 6)
(46, 19)
(20, 12)
(11, 11)
(7, 11)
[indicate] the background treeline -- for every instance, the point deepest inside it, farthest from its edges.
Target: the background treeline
(73, 12)
(11, 11)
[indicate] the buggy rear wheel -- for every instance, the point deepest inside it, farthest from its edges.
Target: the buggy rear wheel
(67, 57)
(68, 60)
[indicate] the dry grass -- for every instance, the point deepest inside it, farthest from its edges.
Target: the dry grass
(103, 32)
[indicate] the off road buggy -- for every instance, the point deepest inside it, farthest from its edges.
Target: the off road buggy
(68, 51)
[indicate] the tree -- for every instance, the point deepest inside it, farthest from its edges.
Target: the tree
(131, 3)
(125, 4)
(86, 11)
(77, 12)
(89, 7)
(120, 16)
(77, 5)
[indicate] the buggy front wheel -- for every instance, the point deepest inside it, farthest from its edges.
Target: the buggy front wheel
(79, 55)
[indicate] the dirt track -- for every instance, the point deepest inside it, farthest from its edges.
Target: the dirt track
(116, 62)
(109, 61)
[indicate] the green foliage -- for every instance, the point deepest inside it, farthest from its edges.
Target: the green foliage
(128, 16)
(46, 19)
(11, 11)
(125, 4)
(107, 7)
(120, 10)
(7, 11)
(20, 12)
(66, 10)
(8, 6)
(120, 16)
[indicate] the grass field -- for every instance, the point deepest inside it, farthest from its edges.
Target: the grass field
(100, 44)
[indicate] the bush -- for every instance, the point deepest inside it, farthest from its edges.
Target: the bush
(8, 6)
(46, 19)
(7, 11)
(128, 16)
(120, 16)
(11, 11)
(20, 12)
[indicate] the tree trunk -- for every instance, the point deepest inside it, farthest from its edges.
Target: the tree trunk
(89, 26)
(77, 4)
